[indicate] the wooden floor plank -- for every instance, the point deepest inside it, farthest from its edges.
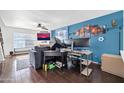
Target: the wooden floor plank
(9, 74)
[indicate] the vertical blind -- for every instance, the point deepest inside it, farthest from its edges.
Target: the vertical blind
(22, 40)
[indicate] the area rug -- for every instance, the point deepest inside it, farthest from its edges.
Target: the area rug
(22, 64)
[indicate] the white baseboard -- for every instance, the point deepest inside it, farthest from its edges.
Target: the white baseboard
(96, 62)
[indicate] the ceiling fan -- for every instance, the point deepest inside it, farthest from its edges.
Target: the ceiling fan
(42, 26)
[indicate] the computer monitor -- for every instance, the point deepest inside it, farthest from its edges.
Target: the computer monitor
(68, 42)
(43, 36)
(81, 42)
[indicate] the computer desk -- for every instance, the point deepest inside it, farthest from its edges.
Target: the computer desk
(71, 54)
(54, 53)
(75, 54)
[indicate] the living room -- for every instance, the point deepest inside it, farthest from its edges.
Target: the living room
(86, 47)
(61, 46)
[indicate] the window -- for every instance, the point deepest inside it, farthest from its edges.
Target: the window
(22, 40)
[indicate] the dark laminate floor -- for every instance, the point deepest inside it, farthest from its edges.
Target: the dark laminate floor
(9, 74)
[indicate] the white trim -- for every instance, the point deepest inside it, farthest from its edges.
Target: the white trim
(122, 54)
(96, 62)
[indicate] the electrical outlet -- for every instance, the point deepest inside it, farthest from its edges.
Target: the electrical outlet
(95, 56)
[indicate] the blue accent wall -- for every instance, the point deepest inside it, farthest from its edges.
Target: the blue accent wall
(113, 42)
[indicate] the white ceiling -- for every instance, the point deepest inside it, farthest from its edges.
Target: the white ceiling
(52, 19)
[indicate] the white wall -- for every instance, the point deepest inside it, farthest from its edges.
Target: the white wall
(8, 37)
(8, 32)
(1, 53)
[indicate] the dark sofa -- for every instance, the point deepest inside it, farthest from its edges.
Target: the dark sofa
(37, 55)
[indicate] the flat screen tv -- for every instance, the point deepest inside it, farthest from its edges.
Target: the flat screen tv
(81, 42)
(43, 36)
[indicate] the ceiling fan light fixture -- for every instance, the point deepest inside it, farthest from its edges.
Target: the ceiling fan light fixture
(39, 25)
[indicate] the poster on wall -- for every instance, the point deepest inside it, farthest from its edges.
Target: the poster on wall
(62, 33)
(82, 33)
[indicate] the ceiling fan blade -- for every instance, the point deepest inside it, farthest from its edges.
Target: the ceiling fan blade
(43, 27)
